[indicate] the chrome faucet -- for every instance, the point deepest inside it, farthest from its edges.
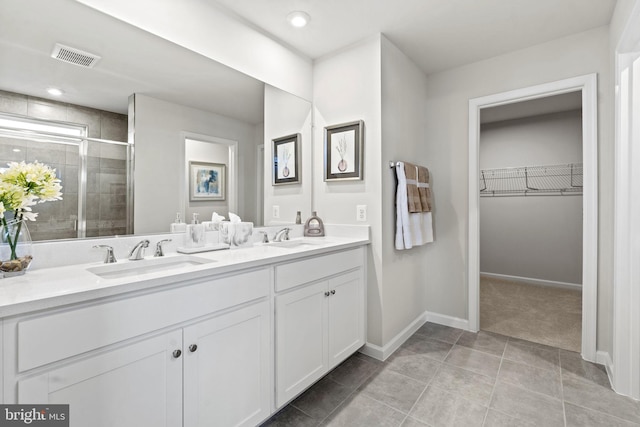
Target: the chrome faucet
(109, 258)
(282, 235)
(159, 251)
(137, 253)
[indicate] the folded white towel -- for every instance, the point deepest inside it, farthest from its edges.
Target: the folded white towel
(412, 229)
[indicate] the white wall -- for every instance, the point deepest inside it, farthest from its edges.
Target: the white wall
(286, 114)
(209, 31)
(447, 135)
(538, 237)
(347, 88)
(160, 187)
(404, 95)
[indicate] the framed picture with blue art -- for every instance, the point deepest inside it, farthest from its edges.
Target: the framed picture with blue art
(286, 165)
(207, 181)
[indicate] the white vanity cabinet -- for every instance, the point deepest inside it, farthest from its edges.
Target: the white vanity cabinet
(320, 317)
(136, 385)
(195, 355)
(227, 378)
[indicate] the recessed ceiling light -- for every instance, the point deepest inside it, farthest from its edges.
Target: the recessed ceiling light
(54, 91)
(298, 19)
(16, 150)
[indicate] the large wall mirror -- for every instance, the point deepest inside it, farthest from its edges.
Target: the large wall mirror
(152, 93)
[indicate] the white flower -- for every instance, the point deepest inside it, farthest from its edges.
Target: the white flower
(24, 184)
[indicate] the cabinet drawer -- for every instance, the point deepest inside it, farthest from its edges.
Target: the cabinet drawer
(56, 336)
(308, 270)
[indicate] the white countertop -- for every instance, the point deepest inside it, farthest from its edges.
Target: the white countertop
(53, 287)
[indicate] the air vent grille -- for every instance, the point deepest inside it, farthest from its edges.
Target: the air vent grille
(74, 56)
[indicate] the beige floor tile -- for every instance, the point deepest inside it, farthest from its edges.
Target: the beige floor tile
(473, 360)
(438, 408)
(527, 405)
(543, 381)
(601, 399)
(393, 389)
(463, 383)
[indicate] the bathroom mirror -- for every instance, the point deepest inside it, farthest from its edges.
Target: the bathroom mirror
(178, 94)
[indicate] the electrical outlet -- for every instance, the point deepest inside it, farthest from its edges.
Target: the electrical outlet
(276, 211)
(361, 212)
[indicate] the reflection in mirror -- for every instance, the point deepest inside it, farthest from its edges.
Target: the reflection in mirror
(215, 151)
(93, 171)
(168, 81)
(285, 115)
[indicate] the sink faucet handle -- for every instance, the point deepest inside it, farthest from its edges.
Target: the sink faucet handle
(109, 258)
(159, 251)
(265, 236)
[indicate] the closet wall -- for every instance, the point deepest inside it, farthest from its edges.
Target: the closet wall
(534, 237)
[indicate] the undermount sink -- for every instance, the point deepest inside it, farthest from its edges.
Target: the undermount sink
(297, 244)
(146, 266)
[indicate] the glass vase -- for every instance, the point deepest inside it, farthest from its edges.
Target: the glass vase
(15, 248)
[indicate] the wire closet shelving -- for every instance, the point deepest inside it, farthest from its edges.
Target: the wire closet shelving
(532, 180)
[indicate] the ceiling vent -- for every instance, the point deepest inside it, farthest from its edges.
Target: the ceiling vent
(74, 56)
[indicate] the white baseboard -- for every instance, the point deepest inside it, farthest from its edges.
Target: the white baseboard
(443, 319)
(528, 280)
(382, 353)
(604, 358)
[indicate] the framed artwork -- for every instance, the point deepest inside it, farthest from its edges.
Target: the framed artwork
(207, 181)
(343, 150)
(286, 160)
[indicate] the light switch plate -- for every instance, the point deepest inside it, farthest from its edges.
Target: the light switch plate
(276, 211)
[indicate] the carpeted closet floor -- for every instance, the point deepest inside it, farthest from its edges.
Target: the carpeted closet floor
(541, 314)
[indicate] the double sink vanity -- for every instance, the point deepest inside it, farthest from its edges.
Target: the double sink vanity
(222, 338)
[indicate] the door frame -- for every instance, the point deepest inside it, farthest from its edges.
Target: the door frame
(587, 85)
(624, 366)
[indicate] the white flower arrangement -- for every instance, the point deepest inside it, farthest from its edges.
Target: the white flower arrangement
(23, 185)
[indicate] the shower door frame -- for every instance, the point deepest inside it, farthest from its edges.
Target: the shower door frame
(81, 141)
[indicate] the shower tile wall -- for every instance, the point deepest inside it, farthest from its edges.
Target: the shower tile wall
(107, 167)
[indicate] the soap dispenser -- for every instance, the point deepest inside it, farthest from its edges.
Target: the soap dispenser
(314, 226)
(178, 226)
(195, 233)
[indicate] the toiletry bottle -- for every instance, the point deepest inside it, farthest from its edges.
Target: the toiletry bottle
(298, 218)
(195, 233)
(314, 226)
(178, 226)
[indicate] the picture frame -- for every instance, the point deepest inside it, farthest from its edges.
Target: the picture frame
(207, 181)
(343, 151)
(286, 160)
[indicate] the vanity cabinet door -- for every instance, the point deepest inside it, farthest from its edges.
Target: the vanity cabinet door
(346, 316)
(301, 340)
(136, 385)
(227, 369)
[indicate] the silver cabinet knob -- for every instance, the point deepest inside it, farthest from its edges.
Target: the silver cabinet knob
(177, 353)
(326, 294)
(333, 292)
(193, 347)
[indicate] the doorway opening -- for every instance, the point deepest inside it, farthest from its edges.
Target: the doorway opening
(530, 211)
(587, 87)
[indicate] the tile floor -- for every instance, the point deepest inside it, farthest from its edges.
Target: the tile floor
(444, 376)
